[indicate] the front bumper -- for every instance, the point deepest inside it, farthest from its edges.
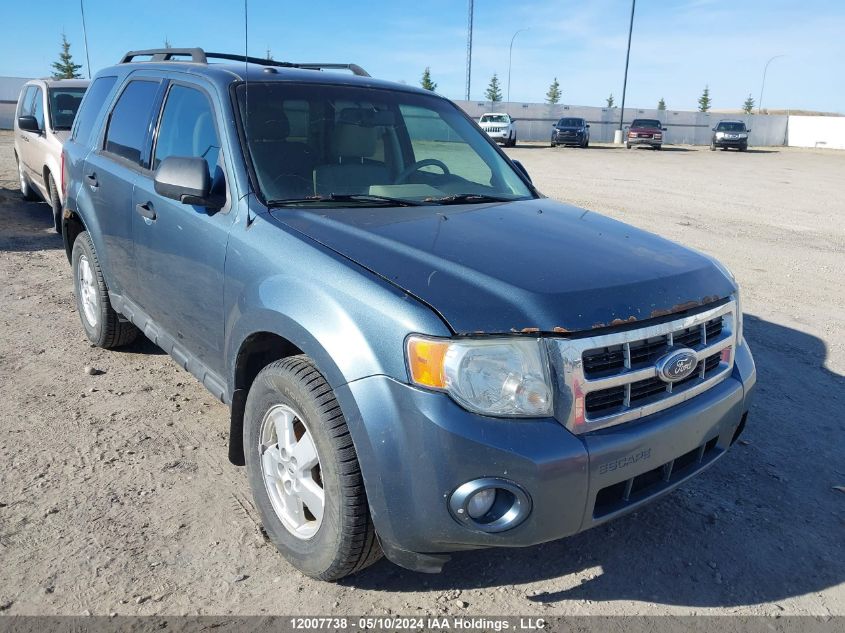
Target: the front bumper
(499, 137)
(730, 142)
(644, 141)
(416, 447)
(568, 139)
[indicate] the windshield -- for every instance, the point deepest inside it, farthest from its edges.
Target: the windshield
(351, 146)
(646, 123)
(726, 126)
(570, 123)
(64, 103)
(494, 118)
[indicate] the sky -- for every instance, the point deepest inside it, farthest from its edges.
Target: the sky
(678, 46)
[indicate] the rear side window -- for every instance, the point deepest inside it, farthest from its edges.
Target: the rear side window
(64, 104)
(25, 103)
(91, 108)
(130, 120)
(187, 128)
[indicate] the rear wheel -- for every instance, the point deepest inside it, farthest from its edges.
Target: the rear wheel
(55, 202)
(103, 326)
(304, 472)
(27, 192)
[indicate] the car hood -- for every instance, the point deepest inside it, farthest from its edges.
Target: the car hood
(534, 265)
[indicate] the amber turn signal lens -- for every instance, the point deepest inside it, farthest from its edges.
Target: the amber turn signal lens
(425, 362)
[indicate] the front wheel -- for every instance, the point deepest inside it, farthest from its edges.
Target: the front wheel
(712, 146)
(103, 326)
(658, 147)
(27, 192)
(628, 145)
(55, 203)
(304, 472)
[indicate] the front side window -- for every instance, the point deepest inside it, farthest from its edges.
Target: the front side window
(187, 128)
(130, 120)
(64, 104)
(25, 104)
(38, 108)
(92, 107)
(315, 141)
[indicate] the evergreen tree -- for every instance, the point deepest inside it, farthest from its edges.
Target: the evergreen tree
(494, 92)
(748, 106)
(704, 100)
(610, 101)
(661, 105)
(426, 81)
(553, 95)
(65, 68)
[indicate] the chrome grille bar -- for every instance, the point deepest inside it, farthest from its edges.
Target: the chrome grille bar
(651, 399)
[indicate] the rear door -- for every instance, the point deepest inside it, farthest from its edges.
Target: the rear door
(110, 173)
(180, 253)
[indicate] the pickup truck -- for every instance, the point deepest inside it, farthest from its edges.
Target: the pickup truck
(421, 353)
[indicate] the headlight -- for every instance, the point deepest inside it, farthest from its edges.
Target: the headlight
(505, 377)
(739, 335)
(720, 134)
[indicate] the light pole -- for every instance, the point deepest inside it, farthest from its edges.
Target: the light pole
(510, 57)
(627, 57)
(763, 85)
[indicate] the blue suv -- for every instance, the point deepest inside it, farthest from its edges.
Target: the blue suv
(421, 353)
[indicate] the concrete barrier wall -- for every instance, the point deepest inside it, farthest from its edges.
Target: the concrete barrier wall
(535, 120)
(817, 131)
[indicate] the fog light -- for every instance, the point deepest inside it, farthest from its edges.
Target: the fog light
(490, 504)
(480, 503)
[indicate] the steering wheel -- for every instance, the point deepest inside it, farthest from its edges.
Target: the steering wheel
(401, 178)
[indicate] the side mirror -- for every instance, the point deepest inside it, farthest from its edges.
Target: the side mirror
(513, 120)
(714, 129)
(588, 125)
(521, 168)
(748, 131)
(28, 123)
(187, 180)
(665, 129)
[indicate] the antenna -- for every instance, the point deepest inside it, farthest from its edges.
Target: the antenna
(246, 101)
(85, 36)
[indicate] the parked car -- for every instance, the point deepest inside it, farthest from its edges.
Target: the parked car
(571, 131)
(421, 353)
(500, 127)
(645, 132)
(45, 113)
(730, 134)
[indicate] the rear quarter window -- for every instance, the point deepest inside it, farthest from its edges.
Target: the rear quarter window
(129, 123)
(92, 106)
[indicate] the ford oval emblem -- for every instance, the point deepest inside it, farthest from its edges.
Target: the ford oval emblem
(677, 365)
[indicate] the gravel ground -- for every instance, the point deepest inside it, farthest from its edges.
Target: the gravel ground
(116, 495)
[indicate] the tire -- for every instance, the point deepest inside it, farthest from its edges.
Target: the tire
(743, 148)
(27, 192)
(658, 147)
(553, 144)
(103, 326)
(628, 145)
(325, 542)
(587, 144)
(712, 146)
(55, 203)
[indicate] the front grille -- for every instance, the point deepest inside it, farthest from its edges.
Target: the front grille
(619, 495)
(613, 377)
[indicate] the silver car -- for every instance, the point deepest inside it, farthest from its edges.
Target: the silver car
(45, 114)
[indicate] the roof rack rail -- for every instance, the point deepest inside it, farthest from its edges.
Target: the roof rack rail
(199, 56)
(355, 68)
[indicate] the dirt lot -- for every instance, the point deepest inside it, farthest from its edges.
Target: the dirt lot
(116, 495)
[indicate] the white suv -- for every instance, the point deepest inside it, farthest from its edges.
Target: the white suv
(500, 127)
(45, 114)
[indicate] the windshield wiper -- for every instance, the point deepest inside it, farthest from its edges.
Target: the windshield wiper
(468, 198)
(362, 198)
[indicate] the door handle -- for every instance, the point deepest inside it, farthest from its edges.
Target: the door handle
(146, 210)
(92, 180)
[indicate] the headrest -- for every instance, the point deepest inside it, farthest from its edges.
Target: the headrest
(65, 102)
(267, 121)
(352, 140)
